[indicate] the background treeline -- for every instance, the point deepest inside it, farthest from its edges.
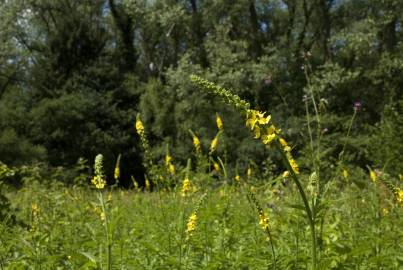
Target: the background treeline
(73, 75)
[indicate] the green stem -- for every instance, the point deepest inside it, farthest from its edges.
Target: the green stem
(182, 232)
(108, 238)
(317, 115)
(308, 210)
(272, 248)
(348, 134)
(308, 120)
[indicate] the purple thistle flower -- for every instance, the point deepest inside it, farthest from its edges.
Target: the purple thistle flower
(357, 105)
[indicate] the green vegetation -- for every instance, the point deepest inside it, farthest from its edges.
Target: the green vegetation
(250, 134)
(64, 228)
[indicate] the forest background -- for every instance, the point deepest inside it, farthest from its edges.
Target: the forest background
(74, 74)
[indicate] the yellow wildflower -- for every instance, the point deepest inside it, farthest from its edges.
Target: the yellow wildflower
(171, 168)
(191, 225)
(117, 173)
(168, 159)
(35, 208)
(168, 164)
(372, 175)
(283, 142)
(255, 117)
(186, 187)
(148, 185)
(286, 174)
(285, 145)
(399, 195)
(98, 181)
(269, 134)
(216, 166)
(271, 130)
(136, 185)
(196, 143)
(385, 211)
(249, 172)
(237, 178)
(345, 174)
(264, 220)
(294, 165)
(267, 139)
(214, 144)
(257, 132)
(117, 168)
(139, 126)
(219, 123)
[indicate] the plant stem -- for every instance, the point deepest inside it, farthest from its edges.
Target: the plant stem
(308, 120)
(348, 134)
(308, 210)
(272, 248)
(108, 240)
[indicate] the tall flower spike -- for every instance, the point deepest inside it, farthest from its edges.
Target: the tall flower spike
(35, 210)
(139, 126)
(263, 218)
(99, 179)
(196, 142)
(214, 143)
(397, 192)
(147, 161)
(117, 168)
(191, 225)
(192, 221)
(148, 184)
(372, 175)
(186, 187)
(228, 96)
(168, 162)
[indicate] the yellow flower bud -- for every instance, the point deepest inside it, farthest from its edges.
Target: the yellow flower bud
(219, 123)
(214, 144)
(345, 174)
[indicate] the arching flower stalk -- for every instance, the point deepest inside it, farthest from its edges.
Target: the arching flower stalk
(263, 128)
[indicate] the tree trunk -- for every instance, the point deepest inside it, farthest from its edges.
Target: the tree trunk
(197, 35)
(124, 26)
(256, 46)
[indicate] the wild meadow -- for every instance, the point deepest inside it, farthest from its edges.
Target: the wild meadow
(200, 217)
(201, 134)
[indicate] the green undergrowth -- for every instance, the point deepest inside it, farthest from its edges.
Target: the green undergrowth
(60, 227)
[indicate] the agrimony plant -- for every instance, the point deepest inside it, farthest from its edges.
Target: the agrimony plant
(99, 181)
(264, 129)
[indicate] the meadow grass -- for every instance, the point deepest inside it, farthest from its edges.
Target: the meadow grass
(148, 229)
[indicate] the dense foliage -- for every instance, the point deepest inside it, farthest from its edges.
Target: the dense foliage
(253, 134)
(73, 74)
